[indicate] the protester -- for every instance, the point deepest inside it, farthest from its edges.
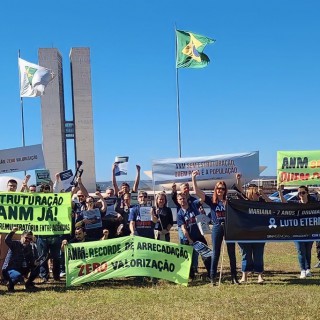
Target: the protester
(45, 188)
(21, 261)
(164, 216)
(252, 252)
(304, 248)
(184, 189)
(112, 219)
(50, 245)
(123, 209)
(124, 186)
(141, 223)
(186, 220)
(141, 220)
(80, 235)
(12, 185)
(32, 188)
(91, 215)
(218, 207)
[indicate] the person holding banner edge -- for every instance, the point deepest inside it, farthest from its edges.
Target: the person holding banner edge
(252, 252)
(186, 220)
(218, 207)
(141, 223)
(304, 248)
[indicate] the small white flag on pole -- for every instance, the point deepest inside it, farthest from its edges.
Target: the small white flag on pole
(33, 78)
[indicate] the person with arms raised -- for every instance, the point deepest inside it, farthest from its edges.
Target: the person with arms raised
(252, 252)
(217, 204)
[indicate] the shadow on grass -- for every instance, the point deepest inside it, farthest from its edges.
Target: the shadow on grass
(274, 277)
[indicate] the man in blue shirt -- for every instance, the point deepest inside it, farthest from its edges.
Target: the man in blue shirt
(186, 220)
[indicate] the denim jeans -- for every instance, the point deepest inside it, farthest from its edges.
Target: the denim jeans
(217, 238)
(14, 276)
(49, 245)
(252, 256)
(304, 253)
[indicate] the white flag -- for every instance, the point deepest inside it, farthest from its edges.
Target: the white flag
(33, 79)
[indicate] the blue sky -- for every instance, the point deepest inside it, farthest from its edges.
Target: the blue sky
(260, 91)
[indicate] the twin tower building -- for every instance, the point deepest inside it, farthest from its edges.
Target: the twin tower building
(55, 128)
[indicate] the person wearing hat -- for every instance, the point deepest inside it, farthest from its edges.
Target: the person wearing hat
(21, 260)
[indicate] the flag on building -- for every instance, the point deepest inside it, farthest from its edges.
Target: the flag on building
(190, 48)
(33, 79)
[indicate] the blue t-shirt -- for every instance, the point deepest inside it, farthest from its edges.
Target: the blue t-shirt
(218, 210)
(144, 228)
(188, 219)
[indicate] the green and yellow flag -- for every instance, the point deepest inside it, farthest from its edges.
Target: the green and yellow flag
(190, 48)
(33, 79)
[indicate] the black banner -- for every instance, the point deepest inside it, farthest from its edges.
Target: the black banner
(251, 221)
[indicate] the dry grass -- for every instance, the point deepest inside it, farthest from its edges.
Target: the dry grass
(283, 296)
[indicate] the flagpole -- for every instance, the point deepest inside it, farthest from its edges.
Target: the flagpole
(21, 106)
(22, 122)
(178, 99)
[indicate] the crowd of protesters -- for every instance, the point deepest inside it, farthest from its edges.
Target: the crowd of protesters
(26, 257)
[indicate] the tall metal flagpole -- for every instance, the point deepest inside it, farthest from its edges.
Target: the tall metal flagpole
(22, 122)
(21, 106)
(178, 97)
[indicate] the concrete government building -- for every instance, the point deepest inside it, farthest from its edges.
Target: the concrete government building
(55, 128)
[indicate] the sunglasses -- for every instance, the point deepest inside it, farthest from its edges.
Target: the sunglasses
(219, 188)
(28, 239)
(143, 196)
(302, 193)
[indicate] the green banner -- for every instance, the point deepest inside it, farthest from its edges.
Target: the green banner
(42, 213)
(127, 257)
(297, 168)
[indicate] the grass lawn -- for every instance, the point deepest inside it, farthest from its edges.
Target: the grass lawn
(282, 296)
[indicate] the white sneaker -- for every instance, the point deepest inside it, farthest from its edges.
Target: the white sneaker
(62, 274)
(308, 273)
(303, 274)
